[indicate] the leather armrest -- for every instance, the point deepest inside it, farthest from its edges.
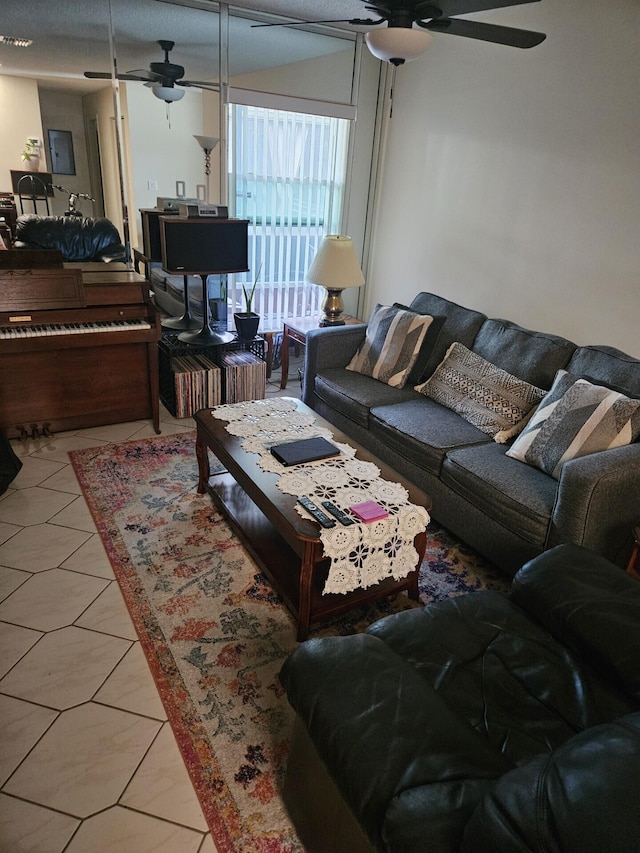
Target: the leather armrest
(588, 604)
(582, 798)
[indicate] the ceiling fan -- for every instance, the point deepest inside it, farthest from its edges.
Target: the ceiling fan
(162, 77)
(400, 42)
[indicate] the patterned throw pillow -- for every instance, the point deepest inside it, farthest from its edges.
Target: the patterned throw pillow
(391, 345)
(576, 418)
(494, 401)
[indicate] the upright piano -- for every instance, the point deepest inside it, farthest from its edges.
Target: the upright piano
(78, 348)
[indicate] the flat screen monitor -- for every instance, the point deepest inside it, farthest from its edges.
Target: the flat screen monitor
(204, 245)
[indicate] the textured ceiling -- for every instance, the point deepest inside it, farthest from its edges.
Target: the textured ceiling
(308, 10)
(71, 37)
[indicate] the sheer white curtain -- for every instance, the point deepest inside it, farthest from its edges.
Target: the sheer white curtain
(287, 173)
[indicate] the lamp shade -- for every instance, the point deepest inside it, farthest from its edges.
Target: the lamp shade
(335, 265)
(207, 143)
(167, 93)
(397, 44)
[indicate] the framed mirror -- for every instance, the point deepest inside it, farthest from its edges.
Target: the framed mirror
(128, 163)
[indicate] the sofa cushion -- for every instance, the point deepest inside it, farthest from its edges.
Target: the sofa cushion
(575, 421)
(392, 344)
(461, 324)
(422, 431)
(607, 365)
(353, 394)
(494, 401)
(518, 496)
(534, 356)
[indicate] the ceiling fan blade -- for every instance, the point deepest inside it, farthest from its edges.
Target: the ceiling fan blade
(484, 32)
(141, 74)
(199, 84)
(105, 75)
(363, 22)
(451, 8)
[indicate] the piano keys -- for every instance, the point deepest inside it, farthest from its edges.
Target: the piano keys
(78, 348)
(45, 331)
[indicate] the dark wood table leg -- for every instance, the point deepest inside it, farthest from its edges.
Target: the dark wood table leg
(202, 455)
(154, 384)
(268, 339)
(420, 544)
(306, 579)
(285, 357)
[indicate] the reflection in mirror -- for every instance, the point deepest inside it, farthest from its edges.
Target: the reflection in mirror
(162, 158)
(291, 61)
(44, 88)
(289, 126)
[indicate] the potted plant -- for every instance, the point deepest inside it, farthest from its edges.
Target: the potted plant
(31, 153)
(246, 321)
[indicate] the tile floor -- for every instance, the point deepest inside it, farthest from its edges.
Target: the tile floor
(88, 761)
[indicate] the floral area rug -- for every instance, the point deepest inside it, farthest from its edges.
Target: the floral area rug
(214, 632)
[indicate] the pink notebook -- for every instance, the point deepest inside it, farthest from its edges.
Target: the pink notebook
(369, 511)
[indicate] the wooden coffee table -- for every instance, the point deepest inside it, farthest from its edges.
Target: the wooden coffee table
(286, 546)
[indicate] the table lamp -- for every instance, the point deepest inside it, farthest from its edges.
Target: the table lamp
(335, 267)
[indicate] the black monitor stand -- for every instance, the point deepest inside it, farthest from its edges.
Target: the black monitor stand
(205, 336)
(186, 322)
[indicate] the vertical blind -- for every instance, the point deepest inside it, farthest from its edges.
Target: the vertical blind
(287, 173)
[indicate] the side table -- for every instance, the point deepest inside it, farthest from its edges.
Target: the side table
(295, 329)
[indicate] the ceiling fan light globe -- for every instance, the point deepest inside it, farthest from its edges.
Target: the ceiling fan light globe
(167, 93)
(397, 44)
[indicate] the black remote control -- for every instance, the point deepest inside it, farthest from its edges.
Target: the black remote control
(342, 517)
(320, 516)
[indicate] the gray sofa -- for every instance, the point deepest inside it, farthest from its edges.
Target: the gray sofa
(507, 510)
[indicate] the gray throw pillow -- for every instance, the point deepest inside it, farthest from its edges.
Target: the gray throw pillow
(392, 344)
(485, 395)
(419, 369)
(576, 418)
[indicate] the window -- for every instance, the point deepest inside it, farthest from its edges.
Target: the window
(287, 173)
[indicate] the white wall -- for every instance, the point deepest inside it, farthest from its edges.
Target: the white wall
(100, 106)
(20, 111)
(64, 111)
(325, 77)
(512, 177)
(163, 149)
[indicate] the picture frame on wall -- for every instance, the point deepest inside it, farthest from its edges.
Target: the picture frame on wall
(61, 152)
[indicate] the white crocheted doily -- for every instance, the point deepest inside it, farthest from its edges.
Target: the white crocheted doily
(361, 554)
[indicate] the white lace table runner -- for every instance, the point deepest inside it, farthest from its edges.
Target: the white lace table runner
(361, 554)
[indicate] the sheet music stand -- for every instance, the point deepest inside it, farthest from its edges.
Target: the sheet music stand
(33, 187)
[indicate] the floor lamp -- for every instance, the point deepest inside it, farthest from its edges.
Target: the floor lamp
(207, 143)
(204, 246)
